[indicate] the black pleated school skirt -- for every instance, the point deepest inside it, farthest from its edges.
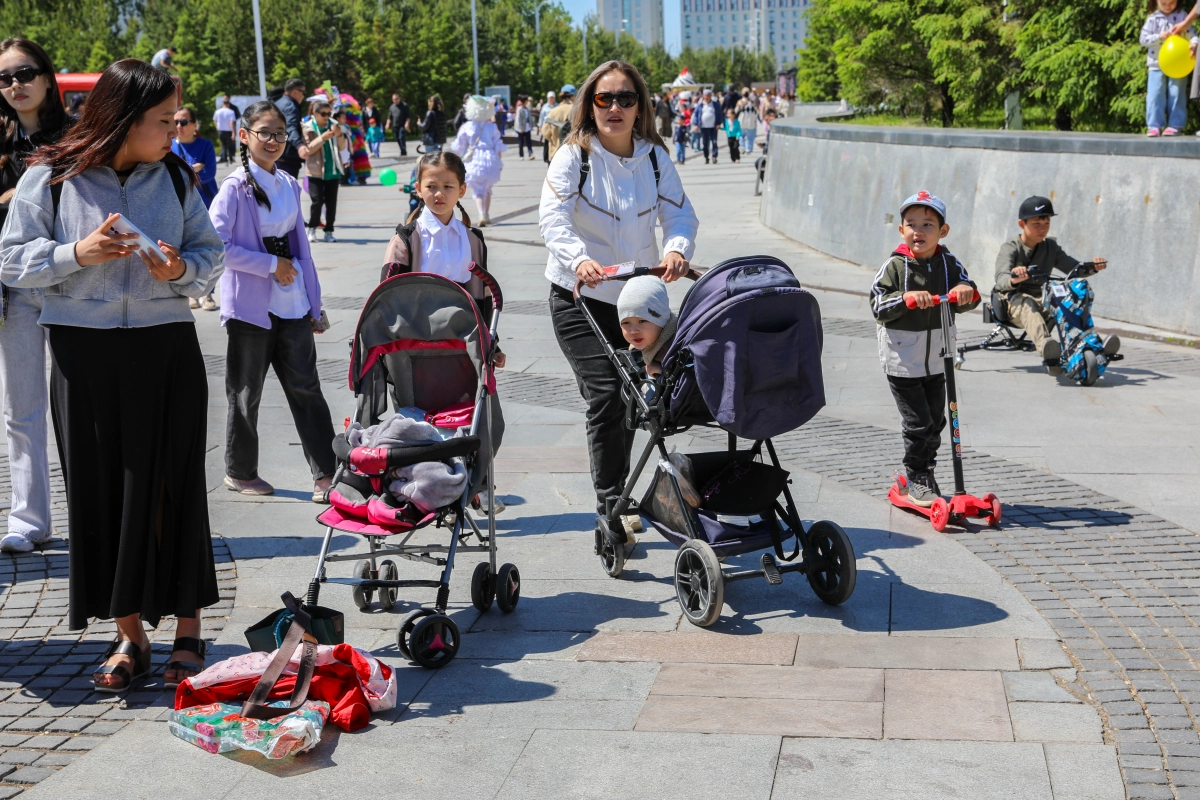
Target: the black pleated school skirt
(129, 407)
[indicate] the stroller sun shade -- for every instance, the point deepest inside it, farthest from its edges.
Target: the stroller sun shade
(754, 338)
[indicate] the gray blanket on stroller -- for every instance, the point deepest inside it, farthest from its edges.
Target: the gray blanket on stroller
(428, 485)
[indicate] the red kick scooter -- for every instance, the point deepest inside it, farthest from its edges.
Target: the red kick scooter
(961, 505)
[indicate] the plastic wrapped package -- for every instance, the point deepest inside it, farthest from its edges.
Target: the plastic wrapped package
(221, 728)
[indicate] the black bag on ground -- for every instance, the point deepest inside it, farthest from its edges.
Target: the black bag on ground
(327, 626)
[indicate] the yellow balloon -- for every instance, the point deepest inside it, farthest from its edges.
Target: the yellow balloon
(1175, 57)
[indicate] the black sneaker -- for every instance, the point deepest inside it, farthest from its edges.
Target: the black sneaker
(931, 481)
(919, 491)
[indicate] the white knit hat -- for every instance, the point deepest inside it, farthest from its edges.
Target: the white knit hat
(646, 297)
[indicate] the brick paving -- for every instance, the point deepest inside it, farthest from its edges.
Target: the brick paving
(1121, 587)
(49, 715)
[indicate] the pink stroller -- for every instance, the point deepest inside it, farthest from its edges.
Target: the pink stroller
(422, 343)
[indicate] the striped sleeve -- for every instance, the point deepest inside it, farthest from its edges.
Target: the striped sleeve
(887, 292)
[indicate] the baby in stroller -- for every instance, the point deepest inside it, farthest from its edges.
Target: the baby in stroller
(644, 300)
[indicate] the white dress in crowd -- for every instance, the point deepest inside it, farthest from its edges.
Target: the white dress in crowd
(445, 249)
(483, 170)
(291, 301)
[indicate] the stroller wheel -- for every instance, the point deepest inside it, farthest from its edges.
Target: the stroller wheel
(699, 584)
(1091, 372)
(483, 589)
(508, 588)
(433, 642)
(388, 572)
(362, 597)
(406, 627)
(612, 556)
(832, 571)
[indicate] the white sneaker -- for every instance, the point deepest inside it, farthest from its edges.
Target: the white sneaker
(329, 237)
(312, 234)
(19, 543)
(193, 302)
(208, 304)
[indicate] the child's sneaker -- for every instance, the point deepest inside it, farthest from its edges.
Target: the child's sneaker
(932, 481)
(1152, 132)
(919, 491)
(1170, 132)
(329, 238)
(312, 234)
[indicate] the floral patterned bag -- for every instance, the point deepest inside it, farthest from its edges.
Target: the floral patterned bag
(220, 728)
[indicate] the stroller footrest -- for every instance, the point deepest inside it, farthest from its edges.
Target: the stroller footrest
(770, 570)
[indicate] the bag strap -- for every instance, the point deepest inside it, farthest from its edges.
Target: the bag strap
(585, 168)
(773, 514)
(300, 630)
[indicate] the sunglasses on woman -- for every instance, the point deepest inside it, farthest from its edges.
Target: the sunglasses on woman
(22, 76)
(623, 99)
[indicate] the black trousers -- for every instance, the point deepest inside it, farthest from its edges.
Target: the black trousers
(400, 140)
(609, 441)
(735, 154)
(524, 142)
(226, 147)
(922, 404)
(709, 137)
(287, 347)
(323, 193)
(130, 413)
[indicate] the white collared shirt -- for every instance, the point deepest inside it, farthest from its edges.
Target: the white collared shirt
(291, 301)
(445, 249)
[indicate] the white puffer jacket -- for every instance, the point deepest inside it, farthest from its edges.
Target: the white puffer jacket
(613, 221)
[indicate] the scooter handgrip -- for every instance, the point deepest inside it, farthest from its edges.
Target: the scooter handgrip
(911, 302)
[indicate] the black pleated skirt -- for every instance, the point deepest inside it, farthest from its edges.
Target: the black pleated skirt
(129, 407)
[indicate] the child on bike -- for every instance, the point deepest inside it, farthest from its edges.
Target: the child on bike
(1022, 268)
(910, 339)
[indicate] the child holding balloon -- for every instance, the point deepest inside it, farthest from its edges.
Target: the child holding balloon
(1166, 91)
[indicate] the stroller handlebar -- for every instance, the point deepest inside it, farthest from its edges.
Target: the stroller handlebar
(691, 274)
(938, 299)
(490, 282)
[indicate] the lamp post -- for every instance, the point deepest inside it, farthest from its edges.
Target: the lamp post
(585, 27)
(474, 44)
(262, 70)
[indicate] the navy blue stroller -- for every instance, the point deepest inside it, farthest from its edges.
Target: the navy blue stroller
(747, 360)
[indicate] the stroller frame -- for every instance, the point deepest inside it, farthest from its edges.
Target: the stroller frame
(827, 556)
(428, 636)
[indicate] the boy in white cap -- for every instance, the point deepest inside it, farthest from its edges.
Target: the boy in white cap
(647, 321)
(910, 340)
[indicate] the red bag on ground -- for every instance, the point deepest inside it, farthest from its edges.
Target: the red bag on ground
(352, 681)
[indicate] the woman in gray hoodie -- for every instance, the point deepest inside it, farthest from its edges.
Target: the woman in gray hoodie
(128, 390)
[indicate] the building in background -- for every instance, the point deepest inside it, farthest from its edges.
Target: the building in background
(759, 25)
(641, 18)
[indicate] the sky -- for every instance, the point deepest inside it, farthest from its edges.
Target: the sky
(579, 9)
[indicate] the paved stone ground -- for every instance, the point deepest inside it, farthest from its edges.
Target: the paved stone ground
(939, 679)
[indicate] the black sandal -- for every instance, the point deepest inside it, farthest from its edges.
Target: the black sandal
(141, 658)
(192, 645)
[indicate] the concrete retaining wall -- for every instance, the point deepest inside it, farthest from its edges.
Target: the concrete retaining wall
(1136, 202)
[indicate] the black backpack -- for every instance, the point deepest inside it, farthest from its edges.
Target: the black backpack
(585, 168)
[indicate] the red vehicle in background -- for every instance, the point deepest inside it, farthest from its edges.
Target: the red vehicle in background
(79, 84)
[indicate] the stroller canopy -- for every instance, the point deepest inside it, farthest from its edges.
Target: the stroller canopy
(754, 339)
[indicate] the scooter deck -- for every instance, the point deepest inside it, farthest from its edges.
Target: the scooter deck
(944, 512)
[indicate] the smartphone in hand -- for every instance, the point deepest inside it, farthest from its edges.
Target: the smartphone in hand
(144, 243)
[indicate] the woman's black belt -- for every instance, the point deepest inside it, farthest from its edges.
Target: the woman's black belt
(278, 246)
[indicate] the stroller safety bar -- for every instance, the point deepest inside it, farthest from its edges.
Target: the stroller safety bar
(378, 460)
(659, 271)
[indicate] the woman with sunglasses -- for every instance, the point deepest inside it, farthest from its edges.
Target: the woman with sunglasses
(31, 115)
(128, 388)
(270, 305)
(202, 156)
(602, 217)
(323, 166)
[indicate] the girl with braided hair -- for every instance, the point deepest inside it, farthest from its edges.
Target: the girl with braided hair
(270, 306)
